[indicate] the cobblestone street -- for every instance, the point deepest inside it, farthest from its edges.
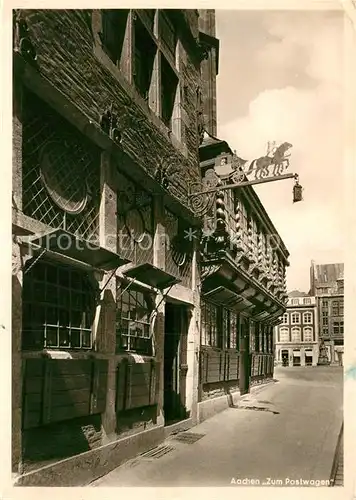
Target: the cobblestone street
(283, 434)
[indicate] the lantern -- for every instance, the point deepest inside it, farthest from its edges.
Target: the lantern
(297, 192)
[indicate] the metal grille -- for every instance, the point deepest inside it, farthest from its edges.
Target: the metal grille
(189, 437)
(135, 222)
(178, 261)
(58, 308)
(60, 172)
(158, 452)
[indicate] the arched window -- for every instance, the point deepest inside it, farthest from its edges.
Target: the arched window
(295, 317)
(296, 334)
(284, 334)
(307, 318)
(308, 334)
(58, 307)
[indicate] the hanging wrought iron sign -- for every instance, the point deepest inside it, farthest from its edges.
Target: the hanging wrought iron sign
(232, 172)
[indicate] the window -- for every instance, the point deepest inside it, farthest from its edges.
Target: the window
(307, 301)
(167, 33)
(58, 308)
(307, 317)
(326, 331)
(209, 314)
(285, 318)
(335, 307)
(295, 302)
(145, 50)
(296, 334)
(336, 328)
(325, 304)
(230, 329)
(284, 334)
(169, 84)
(295, 317)
(325, 321)
(133, 322)
(341, 308)
(113, 32)
(308, 334)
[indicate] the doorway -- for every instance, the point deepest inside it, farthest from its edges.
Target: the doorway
(308, 357)
(285, 357)
(245, 358)
(175, 362)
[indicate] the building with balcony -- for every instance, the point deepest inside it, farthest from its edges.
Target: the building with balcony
(107, 122)
(243, 265)
(296, 337)
(243, 289)
(327, 284)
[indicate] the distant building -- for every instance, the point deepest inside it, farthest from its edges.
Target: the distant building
(327, 284)
(296, 337)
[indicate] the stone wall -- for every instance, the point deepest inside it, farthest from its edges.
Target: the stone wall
(69, 55)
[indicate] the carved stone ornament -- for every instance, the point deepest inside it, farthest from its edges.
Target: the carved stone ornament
(109, 123)
(22, 42)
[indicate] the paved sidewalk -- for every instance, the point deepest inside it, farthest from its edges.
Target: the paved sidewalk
(285, 431)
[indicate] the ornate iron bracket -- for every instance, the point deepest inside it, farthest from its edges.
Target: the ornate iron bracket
(22, 42)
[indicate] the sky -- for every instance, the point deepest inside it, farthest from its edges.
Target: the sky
(281, 79)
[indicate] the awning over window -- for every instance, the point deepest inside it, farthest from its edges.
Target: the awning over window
(152, 276)
(69, 245)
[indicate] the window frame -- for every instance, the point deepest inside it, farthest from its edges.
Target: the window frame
(72, 312)
(299, 330)
(284, 330)
(145, 341)
(308, 314)
(308, 329)
(293, 315)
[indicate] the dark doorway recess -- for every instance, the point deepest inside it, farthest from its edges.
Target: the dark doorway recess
(175, 362)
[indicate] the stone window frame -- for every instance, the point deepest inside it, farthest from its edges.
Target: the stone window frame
(309, 315)
(145, 347)
(295, 315)
(308, 329)
(71, 315)
(295, 302)
(123, 71)
(297, 329)
(284, 330)
(307, 301)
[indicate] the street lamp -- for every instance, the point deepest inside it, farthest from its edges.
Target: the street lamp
(297, 191)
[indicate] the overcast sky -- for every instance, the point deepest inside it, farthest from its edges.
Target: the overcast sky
(281, 78)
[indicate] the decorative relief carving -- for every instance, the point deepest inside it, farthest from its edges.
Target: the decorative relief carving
(22, 42)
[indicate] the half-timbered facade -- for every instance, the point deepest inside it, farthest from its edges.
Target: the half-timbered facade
(243, 290)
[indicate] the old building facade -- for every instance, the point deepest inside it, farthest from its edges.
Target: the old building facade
(243, 289)
(296, 337)
(327, 283)
(243, 266)
(129, 321)
(107, 121)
